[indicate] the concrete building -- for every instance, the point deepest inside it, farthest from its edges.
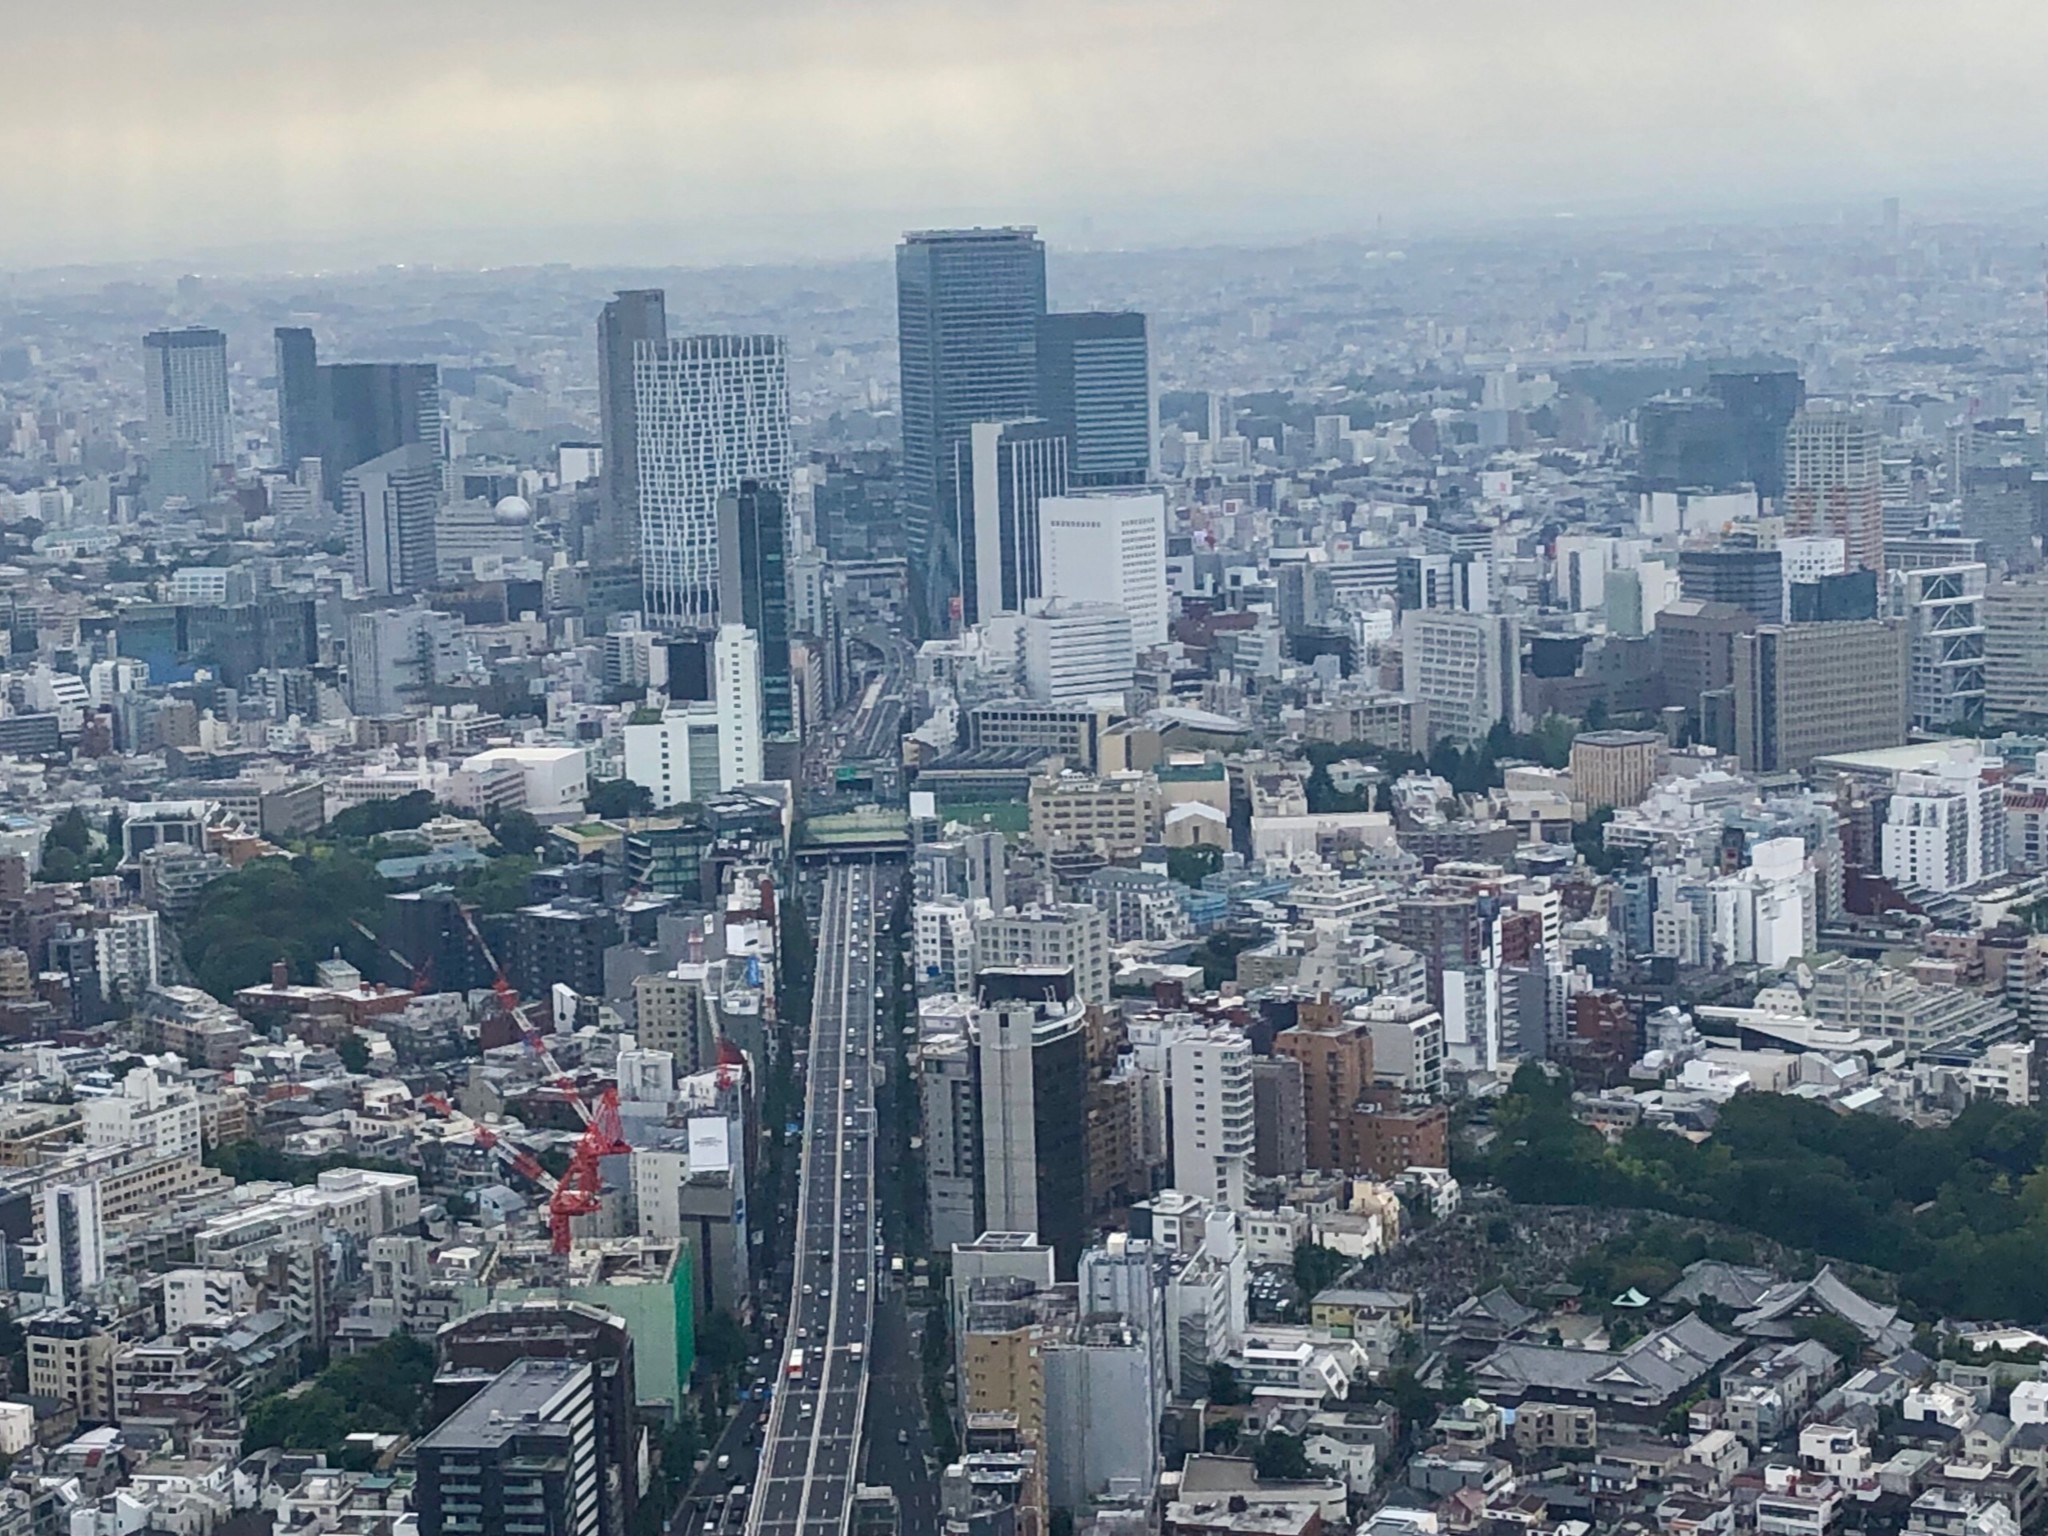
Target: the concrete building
(952, 1140)
(1095, 387)
(1616, 768)
(676, 758)
(1070, 935)
(1335, 1057)
(396, 655)
(1005, 470)
(1946, 829)
(1109, 548)
(1806, 690)
(1111, 814)
(71, 1359)
(1465, 667)
(1075, 652)
(527, 1454)
(1209, 1089)
(74, 1241)
(736, 661)
(2015, 617)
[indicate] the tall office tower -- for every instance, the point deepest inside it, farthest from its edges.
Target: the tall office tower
(1209, 1085)
(298, 396)
(1029, 1038)
(1760, 407)
(377, 408)
(736, 667)
(1095, 387)
(527, 1454)
(2016, 652)
(1834, 483)
(185, 374)
(1749, 578)
(1688, 443)
(1109, 547)
(74, 1241)
(710, 412)
(1467, 667)
(388, 507)
(968, 303)
(1003, 470)
(753, 589)
(634, 316)
(1944, 612)
(1807, 690)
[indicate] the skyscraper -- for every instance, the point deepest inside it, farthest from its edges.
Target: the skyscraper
(1466, 667)
(968, 304)
(1834, 483)
(737, 660)
(1031, 1080)
(388, 507)
(1109, 547)
(1002, 471)
(1760, 407)
(636, 315)
(346, 414)
(527, 1454)
(753, 589)
(1095, 387)
(298, 396)
(710, 412)
(185, 374)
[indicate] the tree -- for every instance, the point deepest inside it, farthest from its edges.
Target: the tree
(1189, 866)
(503, 885)
(381, 1391)
(613, 799)
(518, 832)
(1279, 1457)
(354, 1053)
(374, 818)
(1224, 1389)
(1317, 1268)
(722, 1346)
(1222, 1436)
(297, 910)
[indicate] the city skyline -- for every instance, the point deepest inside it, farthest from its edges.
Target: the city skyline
(1590, 107)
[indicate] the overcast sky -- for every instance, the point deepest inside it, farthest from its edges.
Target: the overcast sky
(702, 130)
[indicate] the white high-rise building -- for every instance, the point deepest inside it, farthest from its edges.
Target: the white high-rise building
(1109, 547)
(1074, 652)
(185, 376)
(944, 936)
(128, 954)
(676, 758)
(1466, 667)
(161, 1115)
(1946, 829)
(711, 411)
(736, 682)
(74, 1241)
(1209, 1086)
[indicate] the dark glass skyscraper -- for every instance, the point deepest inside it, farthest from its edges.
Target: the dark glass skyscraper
(636, 315)
(298, 396)
(968, 304)
(1095, 387)
(753, 589)
(350, 413)
(1760, 407)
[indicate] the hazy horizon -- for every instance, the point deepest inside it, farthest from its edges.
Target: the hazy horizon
(629, 133)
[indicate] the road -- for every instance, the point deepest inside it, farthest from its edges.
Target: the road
(810, 1460)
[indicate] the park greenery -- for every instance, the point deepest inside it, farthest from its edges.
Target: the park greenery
(73, 849)
(1956, 1214)
(298, 910)
(381, 1391)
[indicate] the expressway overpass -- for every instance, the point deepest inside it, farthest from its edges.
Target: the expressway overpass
(810, 1457)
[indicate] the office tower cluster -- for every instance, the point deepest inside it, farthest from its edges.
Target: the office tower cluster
(1005, 406)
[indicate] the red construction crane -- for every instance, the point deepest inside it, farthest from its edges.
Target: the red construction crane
(517, 1157)
(582, 1191)
(520, 1014)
